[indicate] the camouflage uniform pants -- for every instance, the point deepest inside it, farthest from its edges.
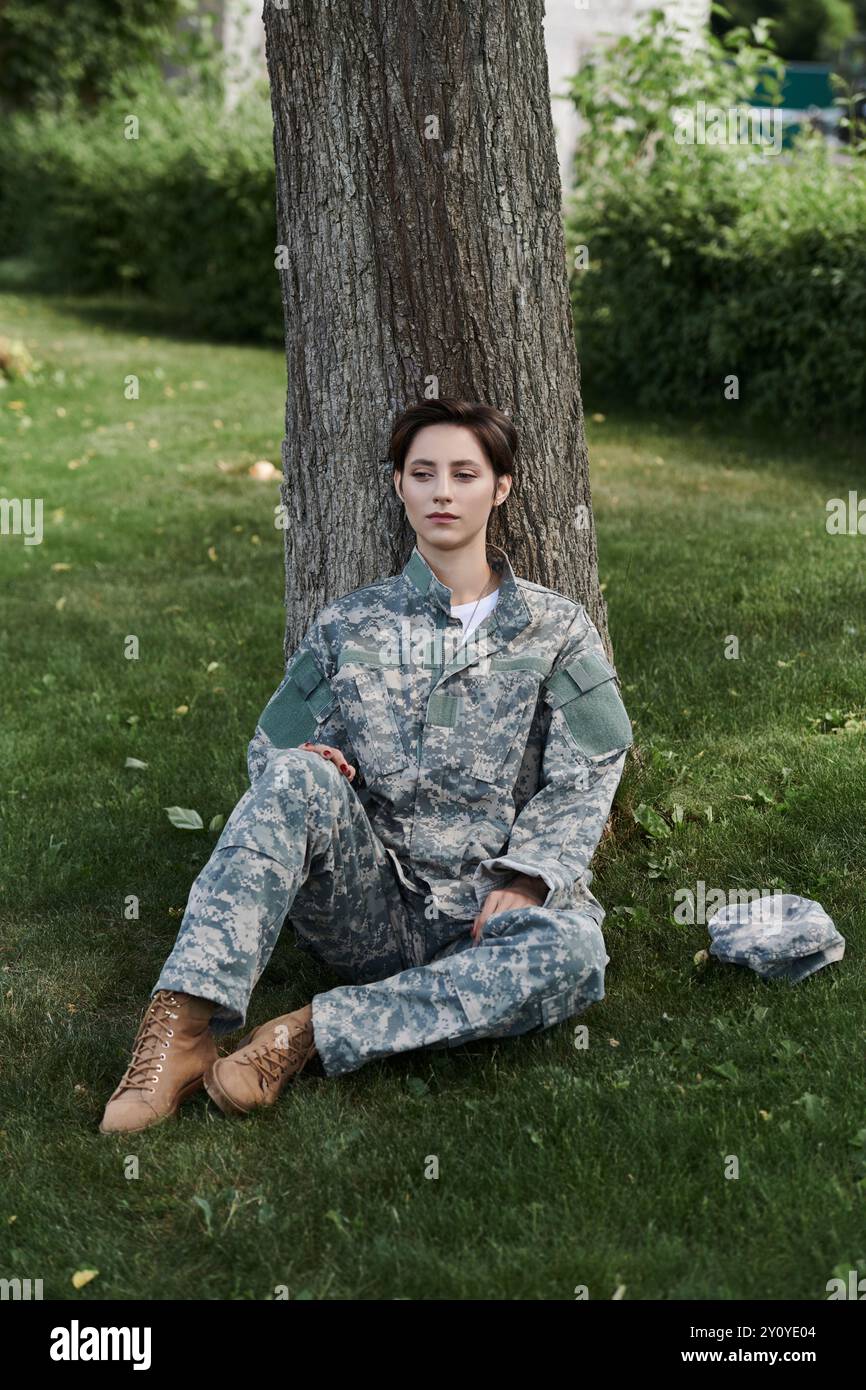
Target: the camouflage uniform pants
(299, 844)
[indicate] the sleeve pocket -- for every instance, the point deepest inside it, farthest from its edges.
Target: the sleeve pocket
(585, 690)
(302, 702)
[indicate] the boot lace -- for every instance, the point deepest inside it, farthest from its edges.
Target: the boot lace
(146, 1061)
(272, 1062)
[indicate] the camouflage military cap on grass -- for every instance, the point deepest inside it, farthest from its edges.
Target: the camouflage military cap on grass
(781, 936)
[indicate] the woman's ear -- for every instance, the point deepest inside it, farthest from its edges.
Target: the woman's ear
(502, 478)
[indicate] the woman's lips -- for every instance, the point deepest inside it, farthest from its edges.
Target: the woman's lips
(441, 517)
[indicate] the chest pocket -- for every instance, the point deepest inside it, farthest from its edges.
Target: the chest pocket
(368, 712)
(476, 723)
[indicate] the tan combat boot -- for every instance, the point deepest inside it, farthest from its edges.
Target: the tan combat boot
(173, 1049)
(271, 1055)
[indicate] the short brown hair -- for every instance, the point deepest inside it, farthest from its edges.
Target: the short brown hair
(491, 426)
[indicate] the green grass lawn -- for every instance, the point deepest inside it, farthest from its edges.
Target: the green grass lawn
(559, 1167)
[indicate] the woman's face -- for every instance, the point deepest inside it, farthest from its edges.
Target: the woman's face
(447, 473)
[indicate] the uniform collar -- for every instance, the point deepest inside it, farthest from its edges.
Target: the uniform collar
(511, 613)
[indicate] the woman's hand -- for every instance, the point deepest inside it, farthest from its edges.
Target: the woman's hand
(326, 751)
(525, 891)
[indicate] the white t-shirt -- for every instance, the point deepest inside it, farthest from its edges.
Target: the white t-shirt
(464, 611)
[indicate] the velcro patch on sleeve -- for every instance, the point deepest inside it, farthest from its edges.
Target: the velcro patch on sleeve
(304, 697)
(585, 690)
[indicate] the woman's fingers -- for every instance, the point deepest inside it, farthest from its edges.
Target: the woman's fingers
(334, 754)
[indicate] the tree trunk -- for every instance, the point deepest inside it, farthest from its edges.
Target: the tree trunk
(419, 199)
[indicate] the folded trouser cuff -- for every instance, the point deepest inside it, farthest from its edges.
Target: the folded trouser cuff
(227, 1018)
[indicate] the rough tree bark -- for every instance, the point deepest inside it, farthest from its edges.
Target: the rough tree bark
(419, 199)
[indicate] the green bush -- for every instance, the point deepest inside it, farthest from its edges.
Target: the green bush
(78, 47)
(185, 212)
(707, 262)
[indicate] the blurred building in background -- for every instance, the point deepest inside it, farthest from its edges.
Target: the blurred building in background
(243, 38)
(572, 29)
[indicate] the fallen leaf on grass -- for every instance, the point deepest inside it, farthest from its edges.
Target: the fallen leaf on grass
(263, 471)
(183, 818)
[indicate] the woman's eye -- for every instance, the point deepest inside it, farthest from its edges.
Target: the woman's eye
(423, 477)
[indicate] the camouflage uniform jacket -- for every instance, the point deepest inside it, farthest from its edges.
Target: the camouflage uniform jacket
(475, 762)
